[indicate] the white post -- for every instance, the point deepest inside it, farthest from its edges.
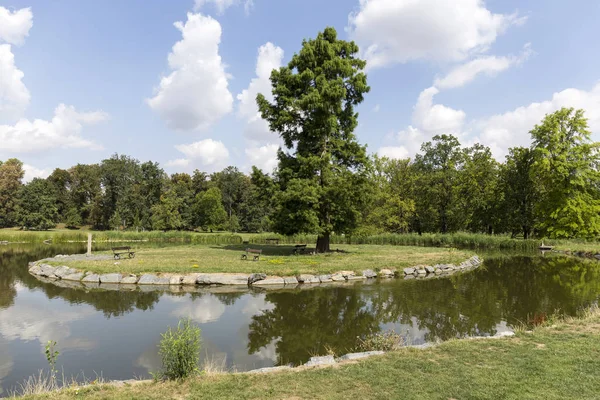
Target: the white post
(89, 249)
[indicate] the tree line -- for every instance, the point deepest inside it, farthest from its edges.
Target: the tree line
(551, 189)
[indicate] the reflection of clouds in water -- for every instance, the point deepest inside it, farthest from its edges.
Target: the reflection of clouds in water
(410, 332)
(149, 359)
(6, 364)
(268, 352)
(256, 305)
(28, 323)
(205, 309)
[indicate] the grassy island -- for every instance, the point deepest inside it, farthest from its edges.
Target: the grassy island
(275, 260)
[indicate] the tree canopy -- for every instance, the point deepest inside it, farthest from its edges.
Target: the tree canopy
(323, 171)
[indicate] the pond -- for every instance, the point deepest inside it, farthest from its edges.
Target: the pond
(115, 334)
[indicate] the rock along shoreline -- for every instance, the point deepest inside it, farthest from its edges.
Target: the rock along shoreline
(42, 270)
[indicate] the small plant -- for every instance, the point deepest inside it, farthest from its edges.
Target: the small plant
(381, 341)
(51, 357)
(179, 350)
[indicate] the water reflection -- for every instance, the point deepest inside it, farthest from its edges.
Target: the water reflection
(118, 332)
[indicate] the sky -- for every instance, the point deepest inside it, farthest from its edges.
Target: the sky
(175, 82)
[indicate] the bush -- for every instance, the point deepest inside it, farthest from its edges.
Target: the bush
(385, 341)
(180, 351)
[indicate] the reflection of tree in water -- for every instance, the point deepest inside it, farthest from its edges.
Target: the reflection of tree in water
(13, 266)
(511, 289)
(309, 321)
(111, 303)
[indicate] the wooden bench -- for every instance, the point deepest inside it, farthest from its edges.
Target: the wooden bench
(117, 251)
(254, 252)
(299, 249)
(272, 240)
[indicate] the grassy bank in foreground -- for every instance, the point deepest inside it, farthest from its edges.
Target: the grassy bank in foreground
(558, 361)
(275, 260)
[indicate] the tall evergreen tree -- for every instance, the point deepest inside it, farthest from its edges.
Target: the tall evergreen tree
(323, 173)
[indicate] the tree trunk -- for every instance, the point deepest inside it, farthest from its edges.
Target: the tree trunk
(323, 243)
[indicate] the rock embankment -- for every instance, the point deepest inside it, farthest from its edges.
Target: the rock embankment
(43, 270)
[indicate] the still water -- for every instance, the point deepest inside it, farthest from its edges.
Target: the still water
(115, 334)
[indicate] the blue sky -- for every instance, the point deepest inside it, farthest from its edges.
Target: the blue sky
(81, 80)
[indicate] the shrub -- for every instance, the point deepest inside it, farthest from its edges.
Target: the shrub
(180, 351)
(381, 341)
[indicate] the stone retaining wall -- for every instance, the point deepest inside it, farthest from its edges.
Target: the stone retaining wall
(62, 273)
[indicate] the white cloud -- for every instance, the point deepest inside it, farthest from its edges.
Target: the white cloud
(207, 152)
(195, 95)
(395, 152)
(436, 118)
(269, 58)
(14, 96)
(397, 31)
(264, 157)
(63, 131)
(428, 120)
(487, 65)
(15, 26)
(180, 162)
(502, 131)
(409, 141)
(32, 172)
(222, 5)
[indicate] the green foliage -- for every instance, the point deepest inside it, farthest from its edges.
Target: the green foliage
(518, 192)
(165, 214)
(323, 175)
(438, 209)
(11, 173)
(388, 340)
(566, 170)
(393, 205)
(37, 208)
(51, 357)
(179, 350)
(209, 211)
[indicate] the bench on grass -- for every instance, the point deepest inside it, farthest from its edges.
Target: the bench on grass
(272, 240)
(117, 251)
(299, 249)
(255, 252)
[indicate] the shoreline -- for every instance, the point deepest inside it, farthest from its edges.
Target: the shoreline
(89, 279)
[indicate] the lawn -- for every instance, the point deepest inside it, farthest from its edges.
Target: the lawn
(275, 260)
(557, 361)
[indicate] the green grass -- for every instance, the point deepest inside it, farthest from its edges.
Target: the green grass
(276, 260)
(561, 361)
(67, 236)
